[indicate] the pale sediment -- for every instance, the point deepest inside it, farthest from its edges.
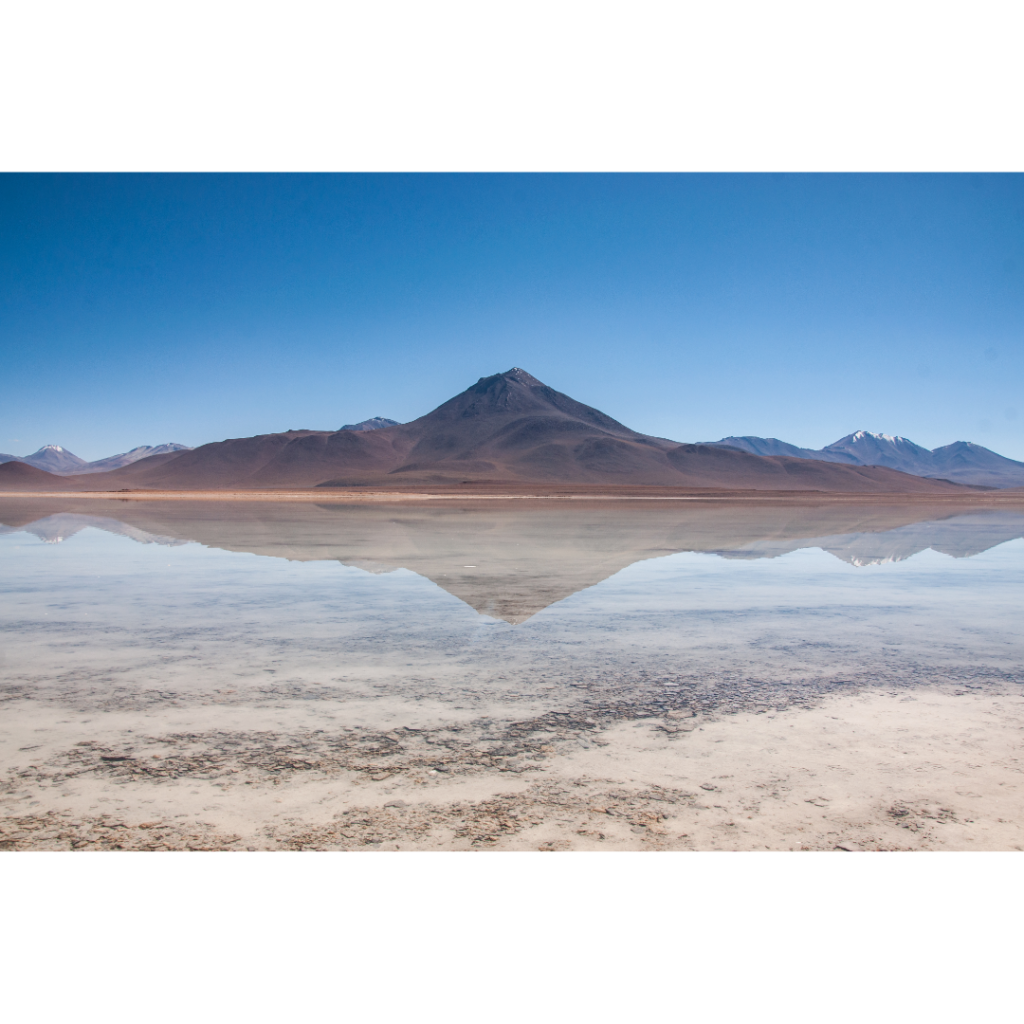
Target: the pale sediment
(857, 767)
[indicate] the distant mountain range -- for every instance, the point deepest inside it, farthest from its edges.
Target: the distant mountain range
(54, 459)
(962, 461)
(506, 430)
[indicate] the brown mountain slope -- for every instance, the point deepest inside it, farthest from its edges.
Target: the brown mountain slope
(20, 476)
(508, 428)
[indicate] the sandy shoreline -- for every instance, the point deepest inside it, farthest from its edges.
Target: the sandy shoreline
(988, 499)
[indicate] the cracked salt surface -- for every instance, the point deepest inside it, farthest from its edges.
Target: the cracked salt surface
(178, 696)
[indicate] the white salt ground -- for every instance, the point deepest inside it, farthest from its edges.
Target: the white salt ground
(877, 770)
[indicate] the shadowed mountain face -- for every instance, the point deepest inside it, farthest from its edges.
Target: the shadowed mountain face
(20, 476)
(969, 463)
(962, 462)
(505, 429)
(510, 561)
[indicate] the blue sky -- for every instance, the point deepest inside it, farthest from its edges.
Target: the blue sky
(139, 309)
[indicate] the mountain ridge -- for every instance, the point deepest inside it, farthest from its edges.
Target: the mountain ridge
(960, 462)
(509, 429)
(54, 459)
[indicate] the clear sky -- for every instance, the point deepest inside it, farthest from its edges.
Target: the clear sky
(140, 309)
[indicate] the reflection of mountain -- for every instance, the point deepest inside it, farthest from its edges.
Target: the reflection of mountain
(959, 536)
(59, 527)
(512, 559)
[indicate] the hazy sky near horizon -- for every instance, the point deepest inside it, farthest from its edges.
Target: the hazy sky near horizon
(140, 309)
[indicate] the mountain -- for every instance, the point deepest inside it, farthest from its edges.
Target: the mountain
(144, 451)
(773, 446)
(377, 423)
(961, 462)
(20, 476)
(965, 462)
(54, 459)
(506, 430)
(867, 449)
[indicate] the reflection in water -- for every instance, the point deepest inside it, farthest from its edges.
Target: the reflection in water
(510, 561)
(510, 674)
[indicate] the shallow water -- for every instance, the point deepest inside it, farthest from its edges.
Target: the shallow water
(194, 675)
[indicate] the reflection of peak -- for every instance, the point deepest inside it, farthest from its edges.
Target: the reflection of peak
(511, 560)
(957, 536)
(377, 568)
(57, 528)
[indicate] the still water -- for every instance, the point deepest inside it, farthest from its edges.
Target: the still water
(247, 675)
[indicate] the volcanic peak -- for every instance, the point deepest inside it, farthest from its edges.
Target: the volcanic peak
(515, 394)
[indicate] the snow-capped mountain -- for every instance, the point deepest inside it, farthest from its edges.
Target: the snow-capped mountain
(55, 459)
(144, 451)
(377, 423)
(963, 462)
(884, 450)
